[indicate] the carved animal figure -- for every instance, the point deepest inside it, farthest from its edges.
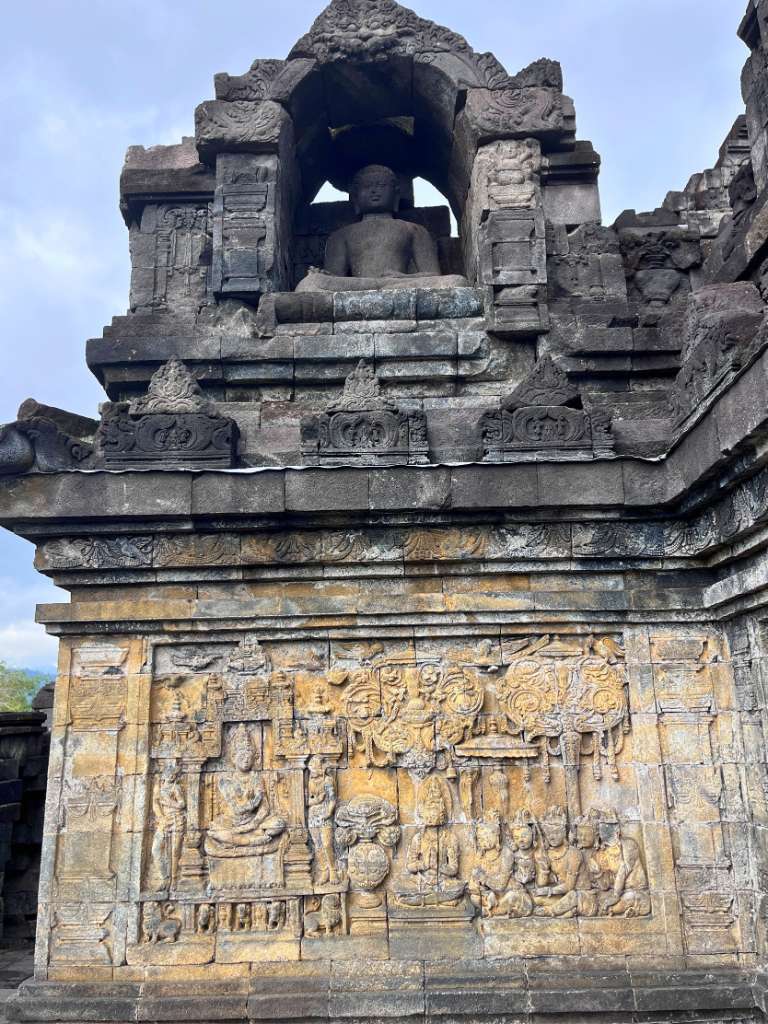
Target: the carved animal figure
(275, 916)
(242, 917)
(324, 921)
(206, 922)
(161, 927)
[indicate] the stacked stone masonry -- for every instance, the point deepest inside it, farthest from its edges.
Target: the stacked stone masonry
(416, 657)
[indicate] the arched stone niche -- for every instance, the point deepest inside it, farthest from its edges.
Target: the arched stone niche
(372, 82)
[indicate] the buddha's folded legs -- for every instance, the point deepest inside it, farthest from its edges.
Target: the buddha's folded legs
(317, 281)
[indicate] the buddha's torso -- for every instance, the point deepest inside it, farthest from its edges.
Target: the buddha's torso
(379, 246)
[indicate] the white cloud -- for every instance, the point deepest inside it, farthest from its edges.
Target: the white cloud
(24, 644)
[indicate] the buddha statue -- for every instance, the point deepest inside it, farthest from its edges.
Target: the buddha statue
(432, 859)
(245, 840)
(379, 251)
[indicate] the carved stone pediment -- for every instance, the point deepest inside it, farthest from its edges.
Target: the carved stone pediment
(546, 429)
(546, 384)
(364, 427)
(365, 30)
(174, 424)
(537, 418)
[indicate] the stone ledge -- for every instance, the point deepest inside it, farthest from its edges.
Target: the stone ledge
(736, 424)
(498, 990)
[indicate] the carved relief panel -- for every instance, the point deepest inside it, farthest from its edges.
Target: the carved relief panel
(491, 793)
(171, 257)
(91, 783)
(686, 671)
(504, 232)
(248, 210)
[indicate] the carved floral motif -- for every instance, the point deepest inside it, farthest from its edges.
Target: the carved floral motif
(172, 424)
(536, 418)
(172, 389)
(239, 122)
(364, 427)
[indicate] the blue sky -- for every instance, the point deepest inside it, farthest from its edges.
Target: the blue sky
(655, 82)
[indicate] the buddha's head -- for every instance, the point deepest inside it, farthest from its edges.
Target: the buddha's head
(375, 189)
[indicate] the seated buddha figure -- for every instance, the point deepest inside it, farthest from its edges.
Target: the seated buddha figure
(245, 840)
(379, 250)
(432, 858)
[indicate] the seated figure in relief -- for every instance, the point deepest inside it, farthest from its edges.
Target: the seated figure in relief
(568, 892)
(492, 887)
(379, 251)
(618, 872)
(432, 859)
(245, 827)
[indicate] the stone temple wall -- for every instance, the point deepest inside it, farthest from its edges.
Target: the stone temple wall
(416, 657)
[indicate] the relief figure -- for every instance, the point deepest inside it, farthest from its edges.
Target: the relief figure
(492, 886)
(432, 859)
(245, 840)
(570, 893)
(170, 811)
(321, 807)
(618, 871)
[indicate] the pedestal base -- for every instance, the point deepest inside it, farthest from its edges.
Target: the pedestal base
(491, 990)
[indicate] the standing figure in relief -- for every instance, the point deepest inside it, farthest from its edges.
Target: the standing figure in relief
(491, 875)
(321, 801)
(499, 784)
(570, 892)
(618, 871)
(170, 812)
(244, 843)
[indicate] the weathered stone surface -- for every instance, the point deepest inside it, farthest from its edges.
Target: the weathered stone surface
(240, 126)
(173, 424)
(379, 737)
(721, 324)
(364, 427)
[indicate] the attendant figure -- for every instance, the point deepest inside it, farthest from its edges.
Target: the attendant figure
(491, 876)
(170, 813)
(618, 871)
(569, 892)
(321, 801)
(432, 858)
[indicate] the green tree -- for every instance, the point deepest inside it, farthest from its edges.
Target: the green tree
(18, 686)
